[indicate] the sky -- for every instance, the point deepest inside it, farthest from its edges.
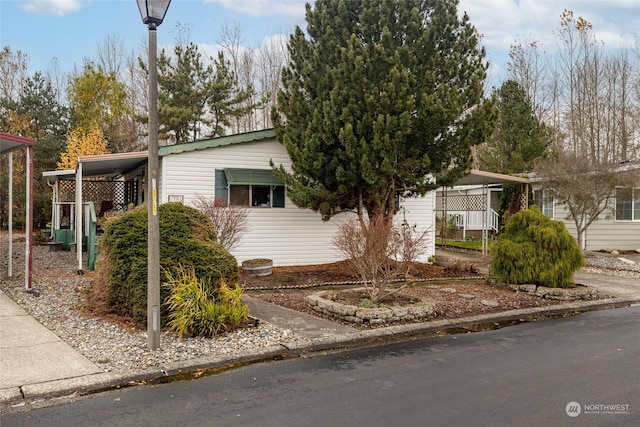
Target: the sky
(70, 30)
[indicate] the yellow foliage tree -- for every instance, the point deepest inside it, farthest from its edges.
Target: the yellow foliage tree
(82, 142)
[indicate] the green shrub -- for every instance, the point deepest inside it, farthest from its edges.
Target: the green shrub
(196, 309)
(186, 238)
(535, 249)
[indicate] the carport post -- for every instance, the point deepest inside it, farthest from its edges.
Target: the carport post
(29, 221)
(10, 260)
(78, 215)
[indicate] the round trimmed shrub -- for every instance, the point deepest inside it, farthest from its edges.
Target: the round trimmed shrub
(534, 248)
(187, 238)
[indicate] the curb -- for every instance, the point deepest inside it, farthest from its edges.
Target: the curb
(193, 368)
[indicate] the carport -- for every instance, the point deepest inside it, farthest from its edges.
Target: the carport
(478, 202)
(8, 144)
(100, 183)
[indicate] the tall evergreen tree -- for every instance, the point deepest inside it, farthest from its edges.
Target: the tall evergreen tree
(381, 97)
(49, 121)
(181, 92)
(226, 100)
(519, 138)
(37, 114)
(49, 125)
(195, 99)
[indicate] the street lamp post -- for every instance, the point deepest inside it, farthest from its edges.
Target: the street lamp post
(152, 13)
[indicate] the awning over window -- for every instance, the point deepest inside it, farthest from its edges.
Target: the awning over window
(251, 177)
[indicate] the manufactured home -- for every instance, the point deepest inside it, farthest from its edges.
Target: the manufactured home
(234, 168)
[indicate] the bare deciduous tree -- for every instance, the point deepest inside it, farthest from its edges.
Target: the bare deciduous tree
(380, 253)
(111, 54)
(584, 188)
(589, 97)
(230, 222)
(530, 68)
(13, 73)
(259, 68)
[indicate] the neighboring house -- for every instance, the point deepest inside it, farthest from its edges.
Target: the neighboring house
(618, 227)
(236, 168)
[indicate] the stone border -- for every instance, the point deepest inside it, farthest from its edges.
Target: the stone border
(373, 316)
(580, 292)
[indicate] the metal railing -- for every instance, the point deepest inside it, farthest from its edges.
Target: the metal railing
(494, 220)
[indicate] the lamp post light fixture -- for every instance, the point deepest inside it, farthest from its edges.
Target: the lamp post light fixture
(152, 13)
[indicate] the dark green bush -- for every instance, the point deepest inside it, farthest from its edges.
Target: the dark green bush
(535, 249)
(186, 239)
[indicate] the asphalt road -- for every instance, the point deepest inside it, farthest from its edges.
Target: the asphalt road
(581, 370)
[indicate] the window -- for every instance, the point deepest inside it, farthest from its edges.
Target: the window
(544, 200)
(249, 187)
(627, 204)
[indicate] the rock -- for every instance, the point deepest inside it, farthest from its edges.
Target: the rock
(627, 261)
(466, 296)
(448, 290)
(614, 252)
(568, 294)
(490, 303)
(637, 251)
(528, 288)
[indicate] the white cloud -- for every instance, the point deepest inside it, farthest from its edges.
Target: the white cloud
(51, 7)
(264, 7)
(504, 21)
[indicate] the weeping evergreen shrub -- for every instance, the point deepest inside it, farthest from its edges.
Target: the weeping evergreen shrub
(534, 248)
(187, 238)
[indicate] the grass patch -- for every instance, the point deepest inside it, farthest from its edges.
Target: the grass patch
(464, 244)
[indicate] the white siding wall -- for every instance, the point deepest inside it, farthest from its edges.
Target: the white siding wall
(421, 212)
(606, 233)
(289, 235)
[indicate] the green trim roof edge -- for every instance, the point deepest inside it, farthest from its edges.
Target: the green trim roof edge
(217, 142)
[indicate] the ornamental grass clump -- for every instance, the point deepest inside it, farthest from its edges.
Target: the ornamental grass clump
(535, 249)
(197, 308)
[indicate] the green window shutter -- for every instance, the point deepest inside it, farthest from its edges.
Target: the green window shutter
(221, 194)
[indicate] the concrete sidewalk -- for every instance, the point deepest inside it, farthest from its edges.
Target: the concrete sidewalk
(31, 354)
(36, 364)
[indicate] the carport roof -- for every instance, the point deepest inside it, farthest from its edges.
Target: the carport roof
(478, 177)
(9, 142)
(112, 164)
(104, 165)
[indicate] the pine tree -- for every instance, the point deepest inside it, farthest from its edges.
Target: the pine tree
(181, 92)
(226, 100)
(197, 99)
(382, 97)
(519, 138)
(48, 121)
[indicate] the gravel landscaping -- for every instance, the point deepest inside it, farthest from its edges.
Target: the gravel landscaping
(113, 345)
